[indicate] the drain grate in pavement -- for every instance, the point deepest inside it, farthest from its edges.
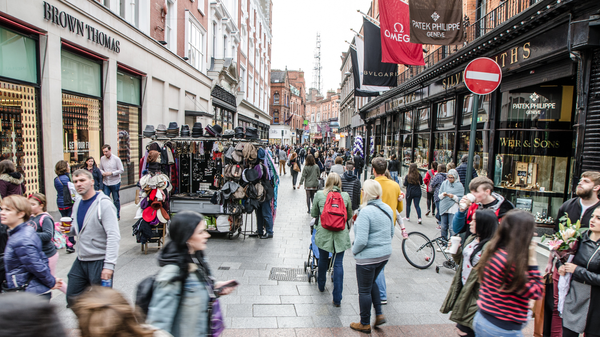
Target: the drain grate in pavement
(288, 274)
(224, 268)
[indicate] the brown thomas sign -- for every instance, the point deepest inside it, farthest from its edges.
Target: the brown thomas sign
(437, 22)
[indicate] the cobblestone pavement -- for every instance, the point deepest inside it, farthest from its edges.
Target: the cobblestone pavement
(264, 307)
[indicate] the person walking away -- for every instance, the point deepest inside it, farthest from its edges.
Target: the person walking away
(43, 224)
(295, 168)
(434, 187)
(302, 155)
(264, 213)
(579, 208)
(509, 277)
(11, 181)
(359, 165)
(464, 291)
(351, 185)
(111, 168)
(482, 189)
(413, 182)
(61, 184)
(430, 193)
(462, 169)
(105, 312)
(329, 162)
(372, 248)
(319, 161)
(391, 196)
(184, 288)
(310, 174)
(97, 228)
(450, 192)
(90, 165)
(338, 167)
(394, 168)
(25, 263)
(581, 311)
(282, 160)
(328, 241)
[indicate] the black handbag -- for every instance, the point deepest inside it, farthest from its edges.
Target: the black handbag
(67, 200)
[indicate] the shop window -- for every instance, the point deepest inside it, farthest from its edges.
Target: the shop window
(81, 129)
(482, 114)
(540, 107)
(128, 88)
(80, 74)
(128, 126)
(407, 151)
(20, 140)
(18, 56)
(481, 151)
(445, 115)
(422, 151)
(423, 119)
(443, 147)
(408, 121)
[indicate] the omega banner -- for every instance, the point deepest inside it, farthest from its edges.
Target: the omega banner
(438, 22)
(395, 37)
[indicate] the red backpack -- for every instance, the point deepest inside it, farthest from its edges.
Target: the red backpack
(334, 214)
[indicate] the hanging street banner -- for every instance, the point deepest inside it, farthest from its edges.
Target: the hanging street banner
(438, 22)
(395, 34)
(376, 72)
(358, 91)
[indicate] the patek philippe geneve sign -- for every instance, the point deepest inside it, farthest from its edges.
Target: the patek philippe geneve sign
(61, 18)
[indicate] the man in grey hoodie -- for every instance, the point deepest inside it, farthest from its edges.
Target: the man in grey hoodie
(97, 228)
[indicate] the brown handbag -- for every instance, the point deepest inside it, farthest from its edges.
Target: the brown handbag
(296, 167)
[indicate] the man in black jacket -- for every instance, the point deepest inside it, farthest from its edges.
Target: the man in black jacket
(583, 205)
(359, 164)
(351, 185)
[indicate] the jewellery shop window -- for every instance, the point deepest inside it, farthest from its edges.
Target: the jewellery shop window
(531, 167)
(443, 147)
(423, 119)
(445, 115)
(128, 126)
(407, 150)
(81, 115)
(483, 112)
(481, 151)
(422, 151)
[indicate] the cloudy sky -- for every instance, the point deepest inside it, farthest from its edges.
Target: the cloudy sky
(295, 27)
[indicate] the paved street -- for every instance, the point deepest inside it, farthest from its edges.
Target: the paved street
(264, 307)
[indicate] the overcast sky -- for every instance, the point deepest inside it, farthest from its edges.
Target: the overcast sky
(295, 27)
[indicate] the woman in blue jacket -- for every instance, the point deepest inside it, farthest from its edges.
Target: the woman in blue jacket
(90, 165)
(26, 264)
(60, 182)
(373, 232)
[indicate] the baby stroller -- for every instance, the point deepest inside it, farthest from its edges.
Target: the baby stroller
(311, 264)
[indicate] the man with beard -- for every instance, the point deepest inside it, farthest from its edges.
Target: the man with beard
(583, 205)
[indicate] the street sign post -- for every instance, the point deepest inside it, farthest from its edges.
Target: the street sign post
(482, 76)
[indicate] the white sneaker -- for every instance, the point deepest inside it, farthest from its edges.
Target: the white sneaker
(419, 221)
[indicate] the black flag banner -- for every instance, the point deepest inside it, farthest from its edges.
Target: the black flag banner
(356, 72)
(437, 22)
(376, 72)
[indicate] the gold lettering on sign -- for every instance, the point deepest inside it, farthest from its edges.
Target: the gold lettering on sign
(537, 143)
(452, 81)
(514, 55)
(526, 50)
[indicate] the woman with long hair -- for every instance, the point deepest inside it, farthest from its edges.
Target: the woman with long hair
(184, 287)
(311, 174)
(319, 161)
(464, 291)
(105, 312)
(335, 242)
(413, 182)
(509, 276)
(428, 178)
(294, 160)
(61, 182)
(90, 165)
(11, 181)
(25, 262)
(373, 232)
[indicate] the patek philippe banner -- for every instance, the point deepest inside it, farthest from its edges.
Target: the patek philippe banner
(357, 78)
(376, 72)
(438, 22)
(395, 34)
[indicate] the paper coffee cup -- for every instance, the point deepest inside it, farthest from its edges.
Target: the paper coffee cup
(471, 197)
(66, 223)
(454, 242)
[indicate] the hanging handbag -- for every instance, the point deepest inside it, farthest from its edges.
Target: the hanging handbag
(296, 167)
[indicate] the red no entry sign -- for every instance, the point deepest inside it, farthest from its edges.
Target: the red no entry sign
(482, 75)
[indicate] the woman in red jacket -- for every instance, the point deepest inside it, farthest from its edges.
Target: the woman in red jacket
(428, 177)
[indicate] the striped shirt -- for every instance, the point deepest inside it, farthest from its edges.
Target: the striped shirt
(507, 310)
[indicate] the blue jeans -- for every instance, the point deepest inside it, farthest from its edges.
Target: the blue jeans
(338, 273)
(446, 224)
(368, 291)
(114, 189)
(357, 172)
(438, 215)
(264, 218)
(416, 201)
(380, 281)
(485, 328)
(394, 175)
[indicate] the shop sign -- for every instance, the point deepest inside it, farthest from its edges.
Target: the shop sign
(61, 18)
(542, 104)
(402, 101)
(535, 143)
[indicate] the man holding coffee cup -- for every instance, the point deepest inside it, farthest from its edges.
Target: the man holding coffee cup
(95, 224)
(482, 196)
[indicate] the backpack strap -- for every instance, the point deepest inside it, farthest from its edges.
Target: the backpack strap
(386, 213)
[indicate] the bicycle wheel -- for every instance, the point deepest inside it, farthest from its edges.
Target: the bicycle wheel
(418, 250)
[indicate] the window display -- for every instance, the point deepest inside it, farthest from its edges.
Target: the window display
(129, 144)
(407, 152)
(482, 113)
(81, 129)
(482, 149)
(443, 147)
(422, 151)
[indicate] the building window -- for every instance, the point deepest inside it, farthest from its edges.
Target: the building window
(214, 42)
(195, 46)
(171, 25)
(225, 46)
(276, 117)
(276, 98)
(250, 88)
(242, 79)
(129, 115)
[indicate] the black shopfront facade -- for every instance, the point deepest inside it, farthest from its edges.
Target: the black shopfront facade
(526, 130)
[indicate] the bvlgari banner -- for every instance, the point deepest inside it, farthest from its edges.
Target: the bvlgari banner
(376, 72)
(438, 22)
(358, 91)
(395, 38)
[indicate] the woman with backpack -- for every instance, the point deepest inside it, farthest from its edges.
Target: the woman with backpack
(43, 223)
(373, 233)
(184, 297)
(336, 241)
(295, 168)
(311, 174)
(61, 184)
(413, 182)
(427, 180)
(464, 291)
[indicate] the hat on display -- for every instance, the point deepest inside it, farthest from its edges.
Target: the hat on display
(185, 130)
(156, 204)
(149, 214)
(173, 130)
(228, 133)
(149, 131)
(162, 215)
(260, 154)
(229, 188)
(239, 132)
(161, 130)
(251, 133)
(197, 130)
(214, 130)
(249, 175)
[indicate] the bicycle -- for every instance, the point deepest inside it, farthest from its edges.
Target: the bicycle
(419, 251)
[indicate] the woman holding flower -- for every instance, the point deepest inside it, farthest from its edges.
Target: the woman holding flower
(581, 313)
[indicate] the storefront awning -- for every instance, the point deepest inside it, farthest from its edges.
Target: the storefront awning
(317, 136)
